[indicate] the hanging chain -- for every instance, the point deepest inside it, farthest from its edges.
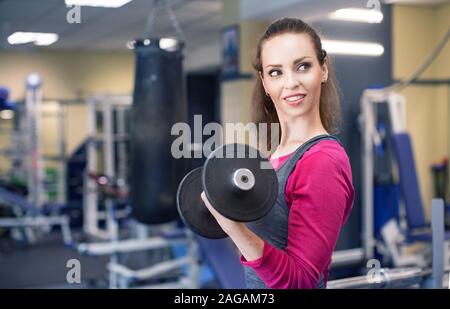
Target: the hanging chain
(158, 6)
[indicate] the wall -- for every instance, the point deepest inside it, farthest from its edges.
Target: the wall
(68, 75)
(236, 93)
(73, 74)
(415, 32)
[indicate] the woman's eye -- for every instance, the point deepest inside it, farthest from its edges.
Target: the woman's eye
(274, 73)
(303, 67)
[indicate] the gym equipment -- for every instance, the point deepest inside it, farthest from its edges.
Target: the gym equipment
(31, 215)
(107, 143)
(371, 139)
(413, 222)
(236, 185)
(5, 104)
(196, 216)
(440, 178)
(158, 103)
(122, 275)
(409, 186)
(408, 277)
(36, 158)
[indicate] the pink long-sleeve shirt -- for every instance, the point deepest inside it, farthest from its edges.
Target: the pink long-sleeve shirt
(320, 195)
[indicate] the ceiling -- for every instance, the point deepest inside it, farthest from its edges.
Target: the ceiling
(107, 29)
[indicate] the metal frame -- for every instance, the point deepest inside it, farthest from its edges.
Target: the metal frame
(121, 276)
(60, 158)
(40, 222)
(33, 162)
(106, 105)
(341, 258)
(391, 231)
(26, 147)
(370, 137)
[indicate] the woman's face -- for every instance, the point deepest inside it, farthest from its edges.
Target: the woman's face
(292, 74)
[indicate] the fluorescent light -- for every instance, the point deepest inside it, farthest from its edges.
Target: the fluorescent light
(353, 48)
(38, 38)
(357, 15)
(98, 3)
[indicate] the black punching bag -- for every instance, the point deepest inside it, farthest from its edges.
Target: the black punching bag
(158, 103)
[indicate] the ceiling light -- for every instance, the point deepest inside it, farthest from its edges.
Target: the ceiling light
(38, 38)
(353, 48)
(98, 3)
(357, 15)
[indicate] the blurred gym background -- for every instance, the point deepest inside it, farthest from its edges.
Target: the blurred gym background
(71, 74)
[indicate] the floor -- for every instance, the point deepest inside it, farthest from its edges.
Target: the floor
(43, 265)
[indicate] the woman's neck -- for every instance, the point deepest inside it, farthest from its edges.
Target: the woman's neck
(297, 131)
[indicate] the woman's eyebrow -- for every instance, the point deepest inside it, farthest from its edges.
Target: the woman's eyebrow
(295, 62)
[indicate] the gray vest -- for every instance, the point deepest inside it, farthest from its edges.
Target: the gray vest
(273, 227)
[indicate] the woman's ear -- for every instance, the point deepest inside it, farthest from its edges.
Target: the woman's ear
(324, 72)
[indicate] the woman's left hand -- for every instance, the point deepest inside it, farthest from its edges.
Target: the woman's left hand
(226, 224)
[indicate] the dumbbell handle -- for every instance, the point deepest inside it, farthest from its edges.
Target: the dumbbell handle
(243, 179)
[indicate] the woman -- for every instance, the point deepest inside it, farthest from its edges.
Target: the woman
(292, 246)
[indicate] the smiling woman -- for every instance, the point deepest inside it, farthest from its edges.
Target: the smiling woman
(294, 60)
(291, 247)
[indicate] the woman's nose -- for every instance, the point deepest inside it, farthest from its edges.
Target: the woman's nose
(291, 81)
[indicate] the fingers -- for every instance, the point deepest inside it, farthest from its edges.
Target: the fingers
(207, 203)
(219, 218)
(203, 196)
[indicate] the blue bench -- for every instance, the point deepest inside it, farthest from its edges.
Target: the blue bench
(418, 228)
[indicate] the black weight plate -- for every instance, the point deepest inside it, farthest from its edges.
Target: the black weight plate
(235, 204)
(192, 210)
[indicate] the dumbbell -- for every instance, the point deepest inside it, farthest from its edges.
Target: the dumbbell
(238, 181)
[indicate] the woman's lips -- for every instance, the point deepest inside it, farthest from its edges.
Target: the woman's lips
(295, 100)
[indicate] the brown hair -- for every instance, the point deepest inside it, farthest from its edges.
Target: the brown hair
(263, 108)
